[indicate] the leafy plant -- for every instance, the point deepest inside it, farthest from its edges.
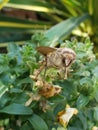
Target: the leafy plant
(21, 106)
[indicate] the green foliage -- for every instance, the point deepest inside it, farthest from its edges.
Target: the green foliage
(58, 31)
(38, 123)
(79, 90)
(16, 109)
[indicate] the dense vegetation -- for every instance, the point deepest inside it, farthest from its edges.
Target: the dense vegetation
(21, 105)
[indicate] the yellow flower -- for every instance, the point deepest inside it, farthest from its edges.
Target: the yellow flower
(65, 115)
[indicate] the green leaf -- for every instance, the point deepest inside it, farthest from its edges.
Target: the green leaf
(96, 114)
(74, 128)
(93, 9)
(26, 126)
(96, 92)
(67, 86)
(12, 47)
(82, 101)
(20, 98)
(95, 71)
(86, 81)
(83, 120)
(16, 109)
(64, 28)
(3, 89)
(25, 80)
(4, 99)
(61, 128)
(14, 52)
(38, 123)
(16, 90)
(6, 79)
(20, 24)
(31, 5)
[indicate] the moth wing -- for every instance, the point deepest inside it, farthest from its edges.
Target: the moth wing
(45, 50)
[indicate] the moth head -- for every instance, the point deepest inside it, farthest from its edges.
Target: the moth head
(68, 56)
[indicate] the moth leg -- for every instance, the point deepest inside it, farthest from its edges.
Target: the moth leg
(61, 73)
(40, 70)
(66, 70)
(45, 72)
(45, 67)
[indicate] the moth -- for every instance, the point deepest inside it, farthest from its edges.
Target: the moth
(60, 58)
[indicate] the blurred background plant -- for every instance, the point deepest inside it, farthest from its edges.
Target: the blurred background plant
(41, 15)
